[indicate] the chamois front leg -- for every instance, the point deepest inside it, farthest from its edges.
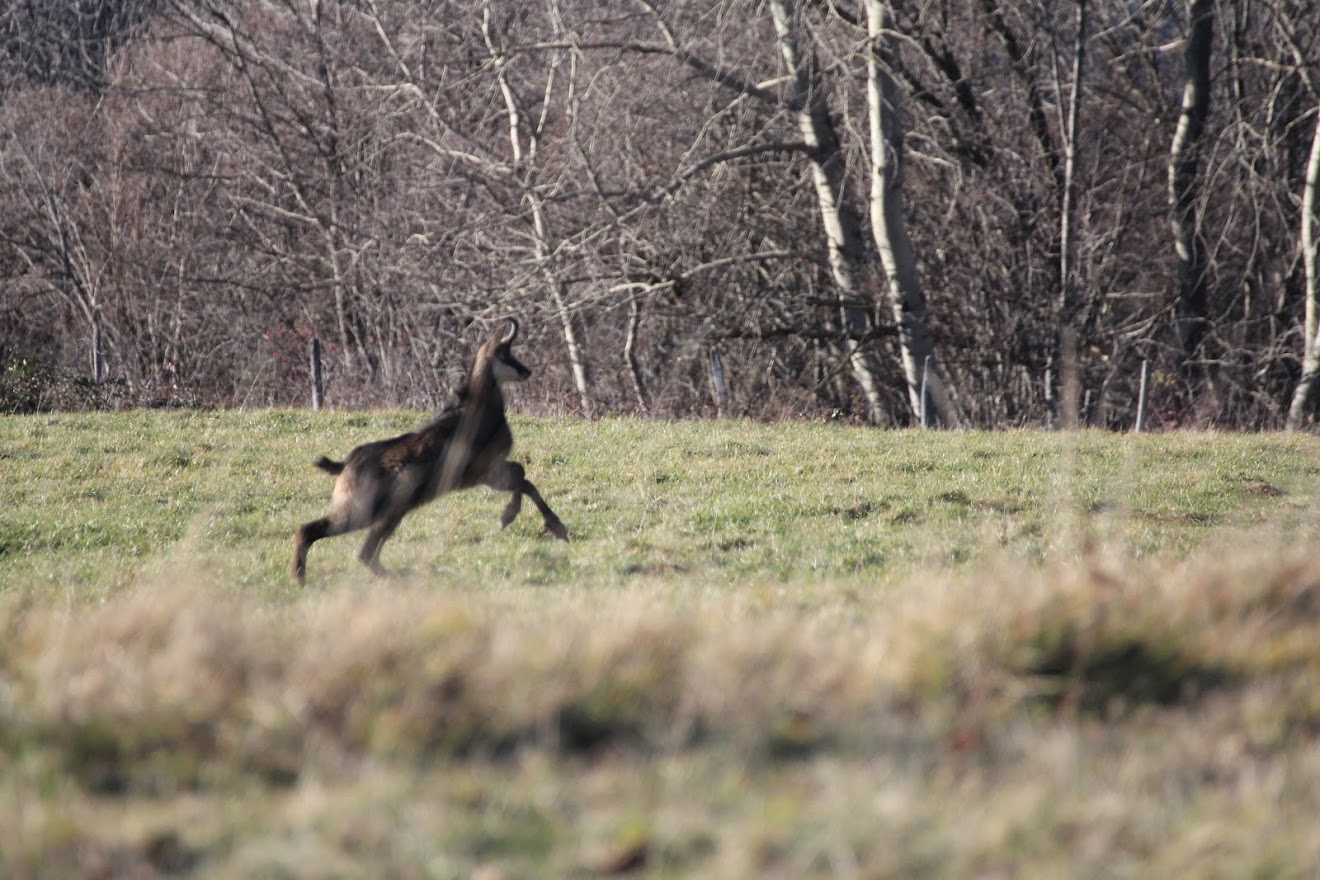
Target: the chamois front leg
(510, 476)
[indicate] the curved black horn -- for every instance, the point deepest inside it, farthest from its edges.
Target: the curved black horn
(512, 333)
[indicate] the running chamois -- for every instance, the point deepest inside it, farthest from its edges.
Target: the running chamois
(466, 445)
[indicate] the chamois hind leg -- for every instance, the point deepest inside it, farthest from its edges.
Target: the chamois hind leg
(308, 534)
(510, 476)
(377, 535)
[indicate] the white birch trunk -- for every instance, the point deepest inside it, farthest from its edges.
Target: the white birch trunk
(1190, 306)
(630, 353)
(577, 363)
(890, 229)
(1067, 268)
(842, 227)
(1065, 347)
(1305, 391)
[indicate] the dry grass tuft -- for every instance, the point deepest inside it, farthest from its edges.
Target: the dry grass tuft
(1006, 721)
(406, 672)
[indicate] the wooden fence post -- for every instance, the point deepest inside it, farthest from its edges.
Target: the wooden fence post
(1141, 396)
(719, 390)
(318, 387)
(925, 392)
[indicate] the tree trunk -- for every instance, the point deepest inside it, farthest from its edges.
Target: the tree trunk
(98, 348)
(1067, 267)
(1067, 320)
(1305, 391)
(1191, 305)
(630, 352)
(558, 293)
(890, 230)
(576, 361)
(842, 225)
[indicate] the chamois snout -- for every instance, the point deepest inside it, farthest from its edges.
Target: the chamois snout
(509, 369)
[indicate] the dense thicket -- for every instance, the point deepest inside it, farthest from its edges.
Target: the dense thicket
(192, 189)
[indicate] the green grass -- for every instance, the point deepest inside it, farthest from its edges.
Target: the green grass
(97, 503)
(769, 650)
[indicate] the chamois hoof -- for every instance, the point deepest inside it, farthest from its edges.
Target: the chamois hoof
(557, 529)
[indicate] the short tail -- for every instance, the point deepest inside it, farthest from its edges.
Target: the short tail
(330, 467)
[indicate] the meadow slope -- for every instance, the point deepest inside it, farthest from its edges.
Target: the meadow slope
(770, 650)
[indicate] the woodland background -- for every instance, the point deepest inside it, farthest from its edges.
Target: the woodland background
(675, 198)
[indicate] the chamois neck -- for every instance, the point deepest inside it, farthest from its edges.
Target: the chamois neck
(482, 389)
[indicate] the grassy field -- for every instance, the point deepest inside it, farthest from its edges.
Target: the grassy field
(774, 651)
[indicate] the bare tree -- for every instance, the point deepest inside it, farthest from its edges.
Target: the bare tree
(57, 242)
(524, 139)
(889, 227)
(1067, 198)
(1191, 298)
(839, 217)
(206, 184)
(1304, 394)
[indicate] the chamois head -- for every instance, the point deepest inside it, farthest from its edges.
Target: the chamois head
(496, 352)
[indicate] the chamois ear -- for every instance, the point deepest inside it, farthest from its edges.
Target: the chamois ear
(511, 333)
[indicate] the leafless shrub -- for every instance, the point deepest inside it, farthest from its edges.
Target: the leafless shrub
(189, 187)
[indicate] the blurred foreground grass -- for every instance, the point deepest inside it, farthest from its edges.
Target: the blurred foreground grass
(776, 651)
